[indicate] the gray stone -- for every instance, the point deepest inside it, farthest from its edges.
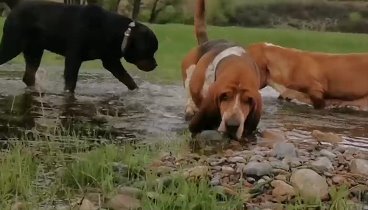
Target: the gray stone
(309, 184)
(283, 150)
(257, 169)
(359, 166)
(322, 164)
(280, 165)
(328, 154)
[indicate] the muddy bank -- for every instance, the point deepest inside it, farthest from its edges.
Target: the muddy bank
(104, 107)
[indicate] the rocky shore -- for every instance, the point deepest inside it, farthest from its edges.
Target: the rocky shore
(278, 172)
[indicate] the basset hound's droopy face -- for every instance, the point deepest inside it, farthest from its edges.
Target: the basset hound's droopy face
(235, 104)
(232, 105)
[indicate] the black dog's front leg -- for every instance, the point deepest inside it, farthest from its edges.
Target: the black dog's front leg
(118, 70)
(72, 65)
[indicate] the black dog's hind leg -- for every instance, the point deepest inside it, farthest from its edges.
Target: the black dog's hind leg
(33, 58)
(72, 65)
(117, 69)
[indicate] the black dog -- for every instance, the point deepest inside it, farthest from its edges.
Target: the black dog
(79, 33)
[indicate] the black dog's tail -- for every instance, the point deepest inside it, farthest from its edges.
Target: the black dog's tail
(200, 22)
(11, 3)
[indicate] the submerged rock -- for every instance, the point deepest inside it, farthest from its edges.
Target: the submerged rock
(322, 137)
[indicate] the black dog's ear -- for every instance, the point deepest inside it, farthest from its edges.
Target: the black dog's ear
(208, 117)
(255, 114)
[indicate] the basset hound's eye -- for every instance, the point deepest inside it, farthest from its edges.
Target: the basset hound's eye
(225, 96)
(247, 100)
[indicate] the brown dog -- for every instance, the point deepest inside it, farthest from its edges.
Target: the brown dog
(222, 84)
(317, 78)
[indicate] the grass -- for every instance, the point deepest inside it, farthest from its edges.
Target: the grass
(42, 171)
(100, 170)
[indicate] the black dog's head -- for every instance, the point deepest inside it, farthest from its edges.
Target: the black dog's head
(141, 48)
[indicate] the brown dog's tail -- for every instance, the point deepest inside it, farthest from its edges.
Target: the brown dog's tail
(200, 22)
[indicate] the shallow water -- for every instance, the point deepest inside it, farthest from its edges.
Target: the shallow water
(103, 106)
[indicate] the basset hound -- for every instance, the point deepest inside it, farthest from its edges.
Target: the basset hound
(320, 79)
(222, 84)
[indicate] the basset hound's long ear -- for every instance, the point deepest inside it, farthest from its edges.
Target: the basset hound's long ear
(208, 117)
(254, 116)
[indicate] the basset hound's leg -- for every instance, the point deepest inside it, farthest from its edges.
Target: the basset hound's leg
(190, 107)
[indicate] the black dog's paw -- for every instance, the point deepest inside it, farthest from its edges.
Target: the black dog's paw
(133, 87)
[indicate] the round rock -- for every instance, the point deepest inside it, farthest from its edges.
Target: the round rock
(328, 154)
(257, 169)
(359, 166)
(322, 164)
(282, 150)
(282, 191)
(210, 135)
(309, 184)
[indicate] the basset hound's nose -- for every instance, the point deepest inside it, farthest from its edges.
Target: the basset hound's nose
(232, 125)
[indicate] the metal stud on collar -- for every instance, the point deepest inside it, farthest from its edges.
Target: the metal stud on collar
(126, 36)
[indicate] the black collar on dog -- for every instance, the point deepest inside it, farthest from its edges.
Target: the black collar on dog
(126, 36)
